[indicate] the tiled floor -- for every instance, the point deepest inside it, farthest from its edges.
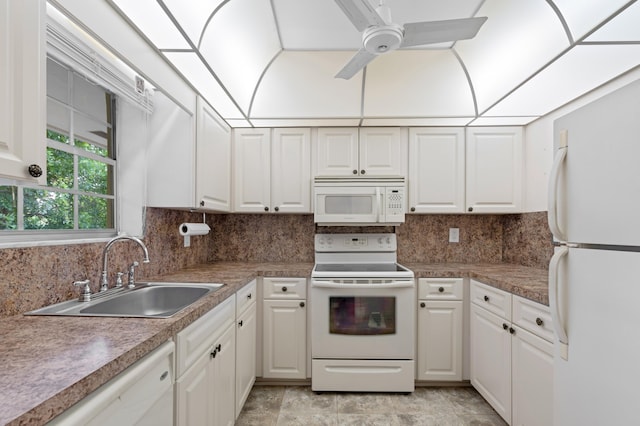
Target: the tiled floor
(298, 405)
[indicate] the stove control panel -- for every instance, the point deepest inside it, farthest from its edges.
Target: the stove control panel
(355, 242)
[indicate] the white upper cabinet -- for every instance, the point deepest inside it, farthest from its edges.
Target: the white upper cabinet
(22, 90)
(200, 165)
(272, 174)
(494, 169)
(213, 162)
(436, 170)
(371, 151)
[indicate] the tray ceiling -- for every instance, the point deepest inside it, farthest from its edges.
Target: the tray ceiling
(272, 63)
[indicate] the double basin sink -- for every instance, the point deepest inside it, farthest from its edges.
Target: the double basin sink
(146, 300)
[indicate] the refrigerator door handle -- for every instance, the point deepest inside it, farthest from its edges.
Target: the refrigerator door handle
(556, 315)
(552, 214)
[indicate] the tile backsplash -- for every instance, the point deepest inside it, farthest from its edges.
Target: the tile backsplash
(38, 276)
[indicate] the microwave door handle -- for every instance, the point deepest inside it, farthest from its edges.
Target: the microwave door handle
(378, 208)
(334, 285)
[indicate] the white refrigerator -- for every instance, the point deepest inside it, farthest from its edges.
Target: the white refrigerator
(594, 275)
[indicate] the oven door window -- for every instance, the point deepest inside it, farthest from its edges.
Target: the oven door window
(362, 315)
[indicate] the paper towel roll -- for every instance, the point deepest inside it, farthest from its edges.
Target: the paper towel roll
(194, 229)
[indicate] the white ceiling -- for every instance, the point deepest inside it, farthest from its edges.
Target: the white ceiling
(273, 62)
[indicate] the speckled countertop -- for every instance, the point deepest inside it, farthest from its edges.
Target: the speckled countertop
(50, 363)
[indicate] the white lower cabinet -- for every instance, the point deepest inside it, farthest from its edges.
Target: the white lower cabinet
(284, 328)
(440, 332)
(205, 389)
(246, 327)
(141, 395)
(511, 358)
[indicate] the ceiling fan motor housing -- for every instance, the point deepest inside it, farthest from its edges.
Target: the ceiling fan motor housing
(377, 40)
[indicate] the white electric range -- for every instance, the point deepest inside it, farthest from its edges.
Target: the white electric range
(363, 315)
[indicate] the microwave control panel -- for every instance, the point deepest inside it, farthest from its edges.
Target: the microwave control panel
(394, 204)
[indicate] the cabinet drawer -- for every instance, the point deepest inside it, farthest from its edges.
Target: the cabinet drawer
(285, 288)
(440, 288)
(492, 299)
(245, 297)
(533, 317)
(197, 338)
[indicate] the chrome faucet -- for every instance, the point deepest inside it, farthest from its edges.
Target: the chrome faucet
(104, 282)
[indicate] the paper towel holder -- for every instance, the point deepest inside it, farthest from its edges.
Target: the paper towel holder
(188, 229)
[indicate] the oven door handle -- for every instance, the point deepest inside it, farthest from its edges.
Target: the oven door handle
(392, 284)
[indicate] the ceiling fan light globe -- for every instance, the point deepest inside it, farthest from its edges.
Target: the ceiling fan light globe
(377, 40)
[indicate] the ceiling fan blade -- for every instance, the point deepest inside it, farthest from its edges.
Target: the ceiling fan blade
(360, 13)
(359, 61)
(417, 33)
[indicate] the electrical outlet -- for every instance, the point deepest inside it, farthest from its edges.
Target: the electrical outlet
(454, 235)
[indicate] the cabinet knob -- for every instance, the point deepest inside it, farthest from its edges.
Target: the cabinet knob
(539, 321)
(413, 209)
(422, 304)
(302, 304)
(505, 326)
(277, 208)
(355, 172)
(441, 289)
(35, 170)
(486, 298)
(213, 353)
(201, 203)
(284, 289)
(363, 171)
(240, 323)
(249, 296)
(512, 330)
(266, 209)
(470, 209)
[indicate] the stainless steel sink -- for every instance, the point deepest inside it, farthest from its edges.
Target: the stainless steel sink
(146, 300)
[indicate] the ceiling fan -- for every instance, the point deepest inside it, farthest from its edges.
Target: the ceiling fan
(381, 35)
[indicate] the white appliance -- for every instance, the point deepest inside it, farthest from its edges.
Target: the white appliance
(363, 319)
(359, 201)
(594, 276)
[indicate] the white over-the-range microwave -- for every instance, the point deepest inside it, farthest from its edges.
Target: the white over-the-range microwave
(359, 201)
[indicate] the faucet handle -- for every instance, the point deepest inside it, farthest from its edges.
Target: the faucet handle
(132, 270)
(85, 295)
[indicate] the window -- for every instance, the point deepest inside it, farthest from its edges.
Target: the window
(79, 195)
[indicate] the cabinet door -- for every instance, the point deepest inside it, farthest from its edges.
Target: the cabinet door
(532, 378)
(284, 339)
(22, 89)
(494, 169)
(245, 355)
(223, 380)
(440, 340)
(213, 160)
(336, 152)
(491, 359)
(252, 174)
(193, 394)
(291, 171)
(436, 170)
(381, 152)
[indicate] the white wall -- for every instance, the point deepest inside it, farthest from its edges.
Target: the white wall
(539, 143)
